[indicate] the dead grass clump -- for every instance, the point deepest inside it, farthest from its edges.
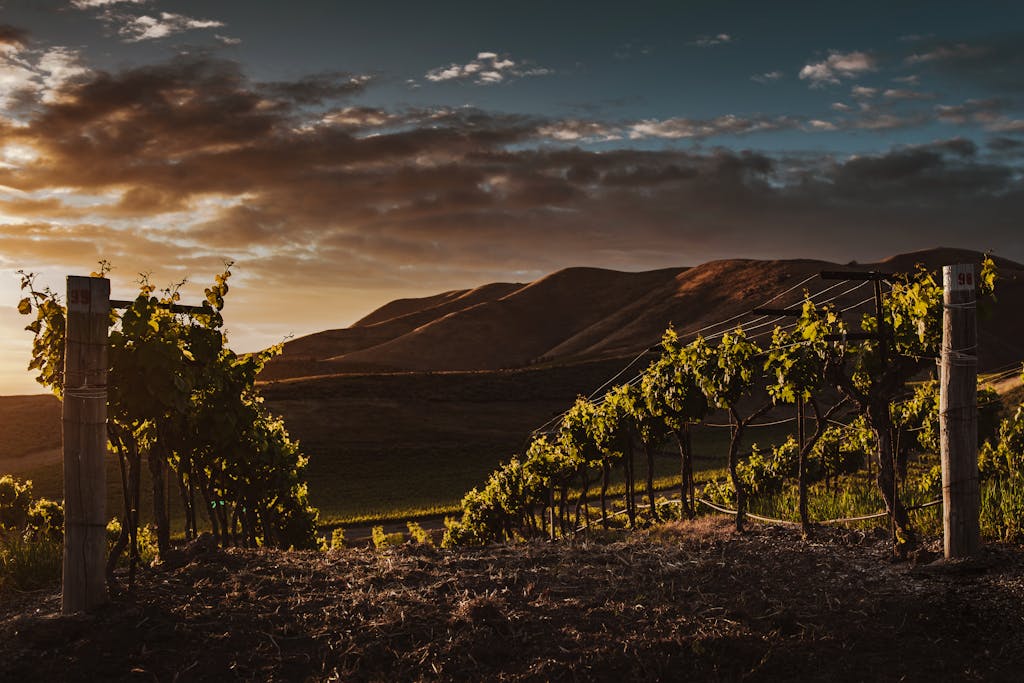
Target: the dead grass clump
(482, 610)
(700, 531)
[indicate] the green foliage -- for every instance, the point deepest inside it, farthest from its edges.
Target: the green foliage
(46, 520)
(920, 414)
(31, 537)
(418, 534)
(113, 530)
(383, 541)
(987, 277)
(720, 493)
(800, 365)
(21, 513)
(337, 538)
(647, 425)
(725, 373)
(48, 331)
(15, 500)
(670, 390)
(797, 361)
(27, 563)
(181, 399)
(501, 509)
(914, 313)
(764, 473)
(1001, 465)
(842, 449)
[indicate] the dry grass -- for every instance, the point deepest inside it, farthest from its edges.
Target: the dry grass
(690, 602)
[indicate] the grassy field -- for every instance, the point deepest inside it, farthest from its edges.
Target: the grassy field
(409, 445)
(395, 447)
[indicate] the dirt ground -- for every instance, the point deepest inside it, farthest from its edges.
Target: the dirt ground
(690, 601)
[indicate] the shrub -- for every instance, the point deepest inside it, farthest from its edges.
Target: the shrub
(15, 500)
(1001, 465)
(26, 564)
(382, 540)
(419, 535)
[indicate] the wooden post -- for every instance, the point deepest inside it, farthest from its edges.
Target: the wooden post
(85, 443)
(805, 523)
(958, 413)
(551, 510)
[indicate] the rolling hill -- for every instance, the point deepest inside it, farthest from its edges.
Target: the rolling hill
(584, 314)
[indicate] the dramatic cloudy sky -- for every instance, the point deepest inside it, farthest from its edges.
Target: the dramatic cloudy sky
(344, 154)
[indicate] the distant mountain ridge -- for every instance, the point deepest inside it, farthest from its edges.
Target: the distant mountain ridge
(582, 314)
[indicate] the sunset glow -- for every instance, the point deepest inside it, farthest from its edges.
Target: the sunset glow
(346, 155)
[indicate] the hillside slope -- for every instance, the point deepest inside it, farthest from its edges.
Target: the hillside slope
(581, 314)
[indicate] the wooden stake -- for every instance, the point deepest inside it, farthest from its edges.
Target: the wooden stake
(958, 413)
(85, 443)
(805, 522)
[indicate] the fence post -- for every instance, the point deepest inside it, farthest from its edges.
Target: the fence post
(958, 413)
(85, 443)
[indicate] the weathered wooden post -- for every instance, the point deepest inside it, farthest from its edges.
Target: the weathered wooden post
(85, 443)
(958, 413)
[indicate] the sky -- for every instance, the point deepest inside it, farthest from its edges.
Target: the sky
(346, 154)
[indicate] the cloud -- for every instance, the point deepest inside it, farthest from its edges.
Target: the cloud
(227, 40)
(58, 67)
(574, 130)
(728, 124)
(487, 69)
(1006, 125)
(948, 52)
(919, 176)
(887, 121)
(360, 117)
(837, 66)
(959, 146)
(820, 125)
(912, 79)
(989, 113)
(134, 29)
(711, 41)
(995, 63)
(180, 164)
(36, 75)
(318, 88)
(1002, 143)
(94, 4)
(903, 94)
(12, 38)
(767, 77)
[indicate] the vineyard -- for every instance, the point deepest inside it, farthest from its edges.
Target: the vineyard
(574, 547)
(182, 402)
(878, 375)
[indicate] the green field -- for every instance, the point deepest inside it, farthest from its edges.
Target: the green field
(404, 483)
(401, 446)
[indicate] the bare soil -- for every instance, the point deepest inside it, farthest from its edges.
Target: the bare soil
(690, 601)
